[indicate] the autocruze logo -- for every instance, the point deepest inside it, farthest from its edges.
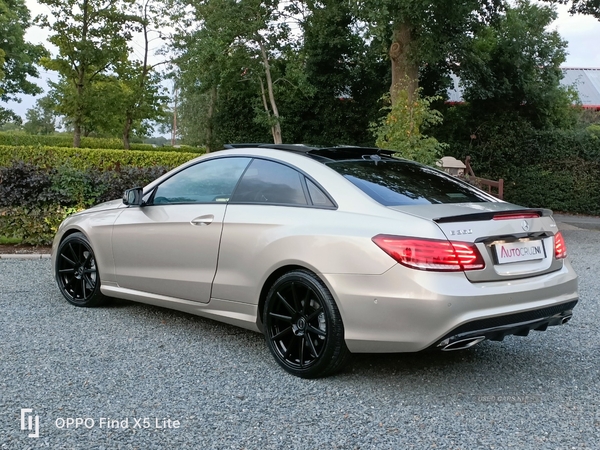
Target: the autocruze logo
(29, 422)
(520, 252)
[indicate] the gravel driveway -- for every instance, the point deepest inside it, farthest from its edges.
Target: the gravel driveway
(141, 377)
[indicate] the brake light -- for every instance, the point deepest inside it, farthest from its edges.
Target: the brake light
(431, 254)
(560, 247)
(510, 216)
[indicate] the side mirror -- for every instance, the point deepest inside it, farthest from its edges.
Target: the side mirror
(133, 197)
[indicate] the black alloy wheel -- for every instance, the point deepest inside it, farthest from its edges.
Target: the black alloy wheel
(76, 272)
(303, 326)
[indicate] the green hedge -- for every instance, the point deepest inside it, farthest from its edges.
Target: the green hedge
(558, 169)
(81, 158)
(65, 140)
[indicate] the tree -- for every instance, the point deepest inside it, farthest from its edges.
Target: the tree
(514, 66)
(41, 119)
(588, 7)
(404, 127)
(143, 96)
(91, 37)
(345, 76)
(424, 32)
(237, 39)
(18, 58)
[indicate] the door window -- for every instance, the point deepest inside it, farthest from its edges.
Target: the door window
(270, 182)
(210, 181)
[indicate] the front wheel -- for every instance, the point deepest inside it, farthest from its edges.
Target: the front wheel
(77, 274)
(303, 326)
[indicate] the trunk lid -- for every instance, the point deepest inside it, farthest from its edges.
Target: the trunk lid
(515, 242)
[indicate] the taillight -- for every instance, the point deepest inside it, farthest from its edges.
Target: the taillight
(431, 254)
(560, 248)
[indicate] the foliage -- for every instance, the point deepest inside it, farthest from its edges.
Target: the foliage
(91, 37)
(347, 76)
(66, 140)
(35, 199)
(556, 169)
(18, 58)
(403, 129)
(425, 33)
(589, 7)
(41, 119)
(35, 225)
(514, 66)
(85, 158)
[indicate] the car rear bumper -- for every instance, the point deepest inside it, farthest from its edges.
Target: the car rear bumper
(405, 310)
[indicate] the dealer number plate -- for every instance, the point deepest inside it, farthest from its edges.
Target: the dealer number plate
(519, 251)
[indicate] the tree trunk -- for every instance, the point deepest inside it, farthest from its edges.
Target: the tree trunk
(210, 122)
(264, 99)
(76, 134)
(127, 131)
(277, 126)
(405, 71)
(81, 69)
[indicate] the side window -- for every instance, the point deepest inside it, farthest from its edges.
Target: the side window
(270, 182)
(206, 182)
(317, 196)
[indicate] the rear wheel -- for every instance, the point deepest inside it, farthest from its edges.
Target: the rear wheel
(77, 273)
(303, 326)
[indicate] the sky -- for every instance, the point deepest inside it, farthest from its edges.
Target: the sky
(581, 32)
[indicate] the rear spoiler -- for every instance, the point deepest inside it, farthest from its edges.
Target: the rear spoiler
(488, 215)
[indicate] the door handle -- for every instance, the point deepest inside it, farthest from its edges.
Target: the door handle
(203, 220)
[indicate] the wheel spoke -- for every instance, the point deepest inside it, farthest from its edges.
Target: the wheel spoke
(75, 256)
(313, 348)
(73, 263)
(71, 270)
(89, 281)
(301, 356)
(83, 289)
(295, 296)
(281, 333)
(287, 319)
(314, 330)
(289, 347)
(314, 314)
(286, 304)
(306, 301)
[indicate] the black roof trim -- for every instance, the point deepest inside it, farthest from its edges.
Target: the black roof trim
(317, 151)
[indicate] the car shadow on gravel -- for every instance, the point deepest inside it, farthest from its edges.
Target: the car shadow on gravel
(486, 361)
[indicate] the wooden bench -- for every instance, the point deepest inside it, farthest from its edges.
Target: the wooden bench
(484, 183)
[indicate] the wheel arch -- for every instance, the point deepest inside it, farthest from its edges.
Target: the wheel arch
(271, 280)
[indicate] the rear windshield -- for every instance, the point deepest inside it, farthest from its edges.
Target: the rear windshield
(394, 183)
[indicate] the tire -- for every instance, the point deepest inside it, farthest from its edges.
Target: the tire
(303, 326)
(77, 274)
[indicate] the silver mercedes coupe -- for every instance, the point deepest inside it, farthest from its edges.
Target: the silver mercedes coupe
(327, 251)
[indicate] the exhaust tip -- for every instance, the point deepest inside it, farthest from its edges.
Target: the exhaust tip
(566, 319)
(463, 344)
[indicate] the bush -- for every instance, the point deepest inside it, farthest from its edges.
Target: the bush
(556, 169)
(80, 158)
(35, 199)
(34, 225)
(66, 141)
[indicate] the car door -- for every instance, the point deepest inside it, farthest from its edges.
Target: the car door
(170, 245)
(272, 207)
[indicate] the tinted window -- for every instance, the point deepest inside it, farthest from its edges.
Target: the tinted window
(270, 182)
(206, 182)
(317, 196)
(405, 183)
